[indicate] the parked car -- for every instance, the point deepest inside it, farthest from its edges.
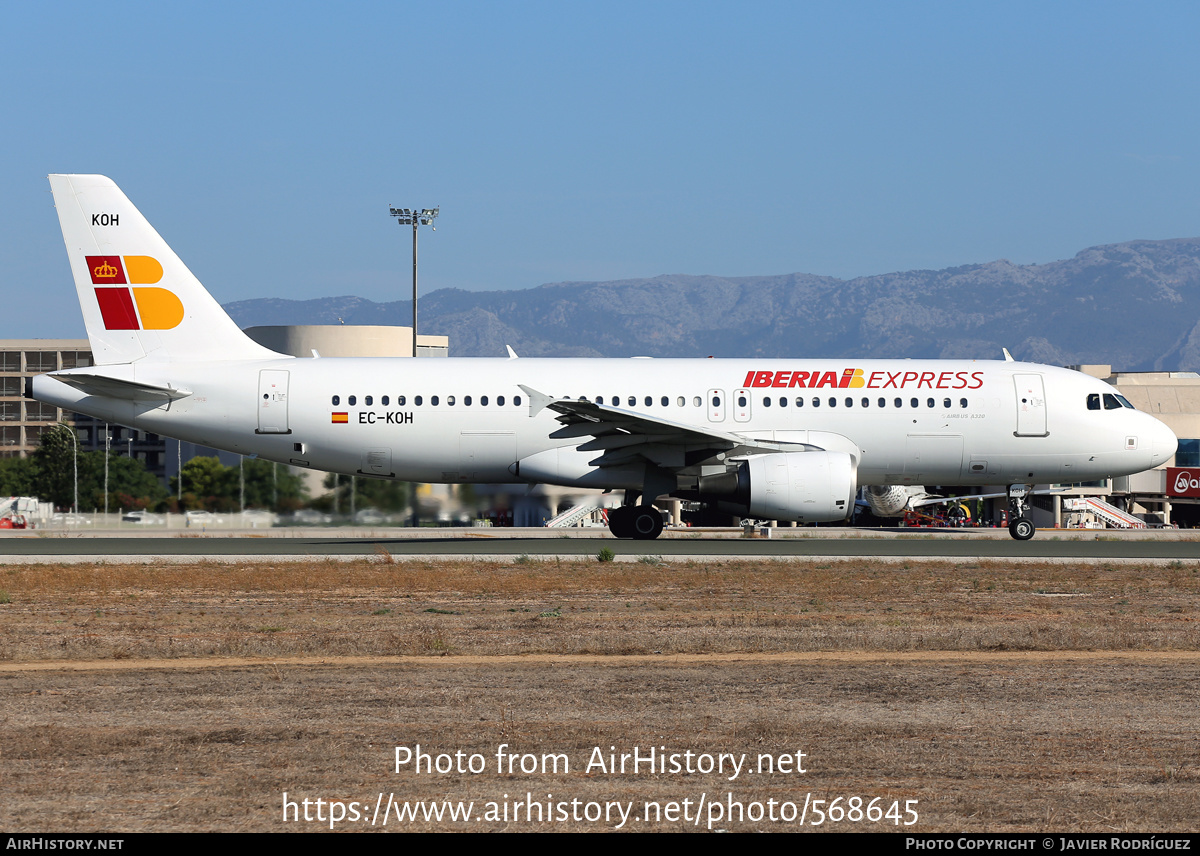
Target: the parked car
(257, 518)
(370, 517)
(311, 517)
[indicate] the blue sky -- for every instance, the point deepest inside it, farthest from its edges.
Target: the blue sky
(592, 141)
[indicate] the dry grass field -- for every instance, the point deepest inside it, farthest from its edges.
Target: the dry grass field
(999, 697)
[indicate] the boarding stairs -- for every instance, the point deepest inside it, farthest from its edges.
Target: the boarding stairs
(1110, 514)
(574, 516)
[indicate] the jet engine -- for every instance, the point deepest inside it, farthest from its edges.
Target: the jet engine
(893, 500)
(888, 500)
(810, 487)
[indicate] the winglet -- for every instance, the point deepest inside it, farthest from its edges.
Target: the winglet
(538, 401)
(1007, 356)
(512, 355)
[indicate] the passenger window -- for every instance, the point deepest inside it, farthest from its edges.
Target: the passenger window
(516, 401)
(632, 401)
(849, 402)
(417, 401)
(832, 401)
(433, 400)
(483, 401)
(799, 401)
(866, 402)
(499, 400)
(649, 401)
(816, 401)
(916, 403)
(681, 401)
(899, 403)
(352, 399)
(696, 402)
(716, 401)
(384, 401)
(883, 402)
(616, 401)
(466, 401)
(450, 400)
(766, 401)
(946, 404)
(782, 401)
(1093, 401)
(399, 400)
(962, 402)
(368, 400)
(337, 399)
(599, 399)
(665, 401)
(741, 401)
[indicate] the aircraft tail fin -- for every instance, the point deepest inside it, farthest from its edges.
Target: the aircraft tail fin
(138, 299)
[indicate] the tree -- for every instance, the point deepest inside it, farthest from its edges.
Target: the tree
(18, 477)
(209, 484)
(55, 469)
(130, 484)
(56, 464)
(382, 494)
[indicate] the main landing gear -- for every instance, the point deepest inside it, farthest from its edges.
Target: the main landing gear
(640, 522)
(1019, 526)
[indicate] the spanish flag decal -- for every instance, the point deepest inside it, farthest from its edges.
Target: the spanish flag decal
(341, 417)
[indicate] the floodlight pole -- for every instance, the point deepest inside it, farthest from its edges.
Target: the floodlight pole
(415, 217)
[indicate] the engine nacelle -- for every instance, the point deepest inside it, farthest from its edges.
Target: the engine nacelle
(809, 487)
(888, 500)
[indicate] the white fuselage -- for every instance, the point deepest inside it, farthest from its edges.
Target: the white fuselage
(469, 420)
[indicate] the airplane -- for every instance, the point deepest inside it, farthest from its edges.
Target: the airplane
(769, 439)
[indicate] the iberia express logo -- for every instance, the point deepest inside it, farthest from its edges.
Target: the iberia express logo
(850, 379)
(144, 308)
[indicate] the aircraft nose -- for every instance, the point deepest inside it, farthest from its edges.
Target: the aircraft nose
(1163, 443)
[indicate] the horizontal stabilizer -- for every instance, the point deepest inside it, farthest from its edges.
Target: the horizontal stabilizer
(111, 387)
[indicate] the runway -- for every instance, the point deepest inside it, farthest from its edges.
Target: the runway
(16, 548)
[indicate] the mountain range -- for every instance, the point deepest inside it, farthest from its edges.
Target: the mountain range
(1134, 305)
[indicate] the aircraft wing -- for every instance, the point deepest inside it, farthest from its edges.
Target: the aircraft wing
(936, 500)
(622, 436)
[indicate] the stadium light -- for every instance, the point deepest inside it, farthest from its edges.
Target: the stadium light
(413, 217)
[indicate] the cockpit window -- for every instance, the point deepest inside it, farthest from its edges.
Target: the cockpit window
(1125, 402)
(1110, 402)
(1094, 401)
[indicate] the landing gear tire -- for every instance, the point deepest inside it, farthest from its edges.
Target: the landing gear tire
(647, 523)
(620, 522)
(1022, 529)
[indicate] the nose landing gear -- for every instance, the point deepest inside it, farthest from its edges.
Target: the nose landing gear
(1020, 526)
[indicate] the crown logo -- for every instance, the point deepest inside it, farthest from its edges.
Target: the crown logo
(106, 271)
